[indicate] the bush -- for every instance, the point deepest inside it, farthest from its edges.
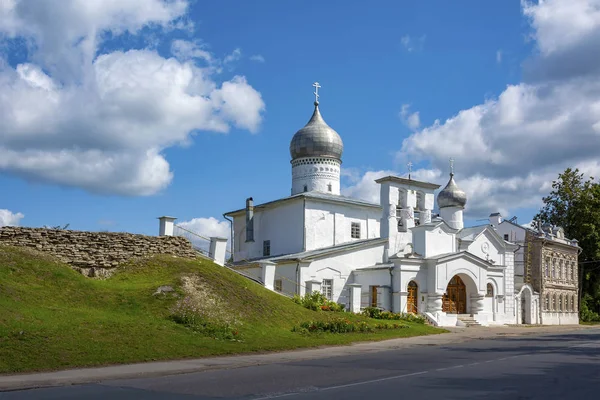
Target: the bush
(342, 325)
(316, 301)
(377, 313)
(585, 313)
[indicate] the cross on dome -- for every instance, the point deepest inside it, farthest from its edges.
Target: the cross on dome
(451, 165)
(409, 165)
(316, 92)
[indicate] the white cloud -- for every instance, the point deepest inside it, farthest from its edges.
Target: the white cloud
(257, 58)
(101, 121)
(412, 120)
(509, 149)
(197, 228)
(499, 56)
(234, 56)
(412, 44)
(8, 218)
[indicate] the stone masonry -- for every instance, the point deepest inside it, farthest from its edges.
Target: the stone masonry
(95, 254)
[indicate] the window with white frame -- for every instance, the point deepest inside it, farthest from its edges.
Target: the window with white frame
(327, 288)
(266, 248)
(278, 285)
(355, 230)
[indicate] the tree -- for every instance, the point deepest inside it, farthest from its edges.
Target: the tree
(574, 204)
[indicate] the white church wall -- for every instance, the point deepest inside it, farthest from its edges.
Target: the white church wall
(368, 278)
(438, 242)
(430, 243)
(329, 224)
(287, 274)
(485, 247)
(408, 273)
(340, 266)
(281, 224)
(515, 234)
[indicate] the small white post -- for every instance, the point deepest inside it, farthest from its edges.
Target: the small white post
(267, 272)
(355, 297)
(166, 226)
(218, 250)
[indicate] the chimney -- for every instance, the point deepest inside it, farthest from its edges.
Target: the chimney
(165, 227)
(495, 219)
(249, 220)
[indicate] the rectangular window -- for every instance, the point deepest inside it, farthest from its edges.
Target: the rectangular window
(355, 230)
(278, 285)
(506, 237)
(267, 248)
(327, 288)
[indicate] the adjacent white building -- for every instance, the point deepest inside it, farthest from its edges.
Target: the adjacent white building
(398, 255)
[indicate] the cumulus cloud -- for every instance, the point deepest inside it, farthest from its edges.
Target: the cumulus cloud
(74, 116)
(8, 218)
(412, 120)
(205, 227)
(509, 149)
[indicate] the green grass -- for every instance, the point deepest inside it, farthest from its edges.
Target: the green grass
(51, 317)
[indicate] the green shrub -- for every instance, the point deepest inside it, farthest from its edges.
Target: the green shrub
(377, 313)
(342, 325)
(316, 301)
(585, 313)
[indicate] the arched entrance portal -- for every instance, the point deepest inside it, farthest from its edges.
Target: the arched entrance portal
(455, 298)
(412, 300)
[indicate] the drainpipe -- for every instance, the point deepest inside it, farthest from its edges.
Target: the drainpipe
(297, 278)
(390, 269)
(231, 229)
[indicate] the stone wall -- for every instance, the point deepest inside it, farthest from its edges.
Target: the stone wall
(95, 254)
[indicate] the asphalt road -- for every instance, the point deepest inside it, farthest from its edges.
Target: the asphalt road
(562, 366)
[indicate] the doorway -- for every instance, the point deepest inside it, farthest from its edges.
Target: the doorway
(412, 300)
(455, 298)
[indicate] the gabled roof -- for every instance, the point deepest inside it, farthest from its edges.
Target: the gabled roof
(471, 233)
(332, 198)
(463, 254)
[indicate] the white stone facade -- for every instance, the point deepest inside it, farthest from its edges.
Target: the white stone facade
(318, 174)
(397, 255)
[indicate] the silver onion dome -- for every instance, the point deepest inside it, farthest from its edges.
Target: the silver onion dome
(451, 195)
(316, 139)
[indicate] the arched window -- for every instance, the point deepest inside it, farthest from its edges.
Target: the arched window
(400, 225)
(574, 304)
(553, 268)
(547, 269)
(573, 271)
(547, 302)
(553, 308)
(560, 302)
(490, 290)
(306, 188)
(420, 200)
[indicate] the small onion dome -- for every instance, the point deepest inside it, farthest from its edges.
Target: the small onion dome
(452, 195)
(316, 139)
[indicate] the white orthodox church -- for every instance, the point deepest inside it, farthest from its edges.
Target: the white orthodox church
(397, 255)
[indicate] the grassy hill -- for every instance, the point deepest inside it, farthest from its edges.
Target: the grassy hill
(51, 317)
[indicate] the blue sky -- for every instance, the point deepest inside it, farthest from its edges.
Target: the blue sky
(435, 58)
